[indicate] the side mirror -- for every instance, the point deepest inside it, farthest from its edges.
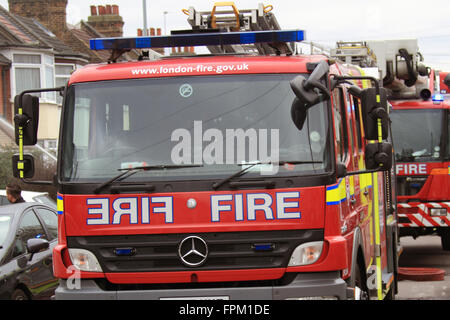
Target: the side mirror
(304, 88)
(26, 166)
(447, 80)
(303, 92)
(26, 110)
(35, 245)
(306, 93)
(378, 156)
(299, 111)
(341, 170)
(372, 111)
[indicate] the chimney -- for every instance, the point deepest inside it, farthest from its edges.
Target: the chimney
(50, 13)
(93, 10)
(108, 21)
(182, 51)
(101, 10)
(152, 32)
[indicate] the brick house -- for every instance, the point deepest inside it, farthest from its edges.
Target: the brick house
(31, 56)
(38, 49)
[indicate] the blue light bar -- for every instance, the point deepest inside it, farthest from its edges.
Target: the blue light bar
(202, 39)
(438, 97)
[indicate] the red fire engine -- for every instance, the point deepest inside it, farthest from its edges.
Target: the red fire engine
(422, 135)
(224, 176)
(420, 127)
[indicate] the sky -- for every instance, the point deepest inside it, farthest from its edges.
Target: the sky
(325, 21)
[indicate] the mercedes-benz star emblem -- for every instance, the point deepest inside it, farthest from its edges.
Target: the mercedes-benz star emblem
(193, 251)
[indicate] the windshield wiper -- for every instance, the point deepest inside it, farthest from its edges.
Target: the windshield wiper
(130, 171)
(251, 165)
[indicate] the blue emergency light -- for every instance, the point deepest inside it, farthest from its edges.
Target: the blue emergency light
(438, 97)
(198, 39)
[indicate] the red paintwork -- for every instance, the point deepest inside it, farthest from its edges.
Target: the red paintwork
(333, 258)
(419, 168)
(419, 104)
(435, 189)
(442, 85)
(311, 207)
(339, 221)
(193, 67)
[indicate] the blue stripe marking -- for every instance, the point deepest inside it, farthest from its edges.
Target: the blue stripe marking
(334, 186)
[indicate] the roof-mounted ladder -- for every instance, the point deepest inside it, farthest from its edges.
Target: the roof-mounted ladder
(354, 52)
(260, 19)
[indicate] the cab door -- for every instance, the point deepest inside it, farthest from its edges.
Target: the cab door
(36, 275)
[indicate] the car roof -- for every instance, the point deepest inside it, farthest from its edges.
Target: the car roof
(16, 208)
(31, 193)
(26, 195)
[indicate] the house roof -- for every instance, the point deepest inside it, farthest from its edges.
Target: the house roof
(4, 60)
(84, 32)
(17, 31)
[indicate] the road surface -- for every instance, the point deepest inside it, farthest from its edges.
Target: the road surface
(424, 252)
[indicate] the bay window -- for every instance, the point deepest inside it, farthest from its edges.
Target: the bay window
(33, 71)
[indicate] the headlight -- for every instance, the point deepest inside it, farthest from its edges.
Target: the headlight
(438, 212)
(84, 260)
(306, 253)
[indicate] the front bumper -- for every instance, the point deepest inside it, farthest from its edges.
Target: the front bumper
(305, 285)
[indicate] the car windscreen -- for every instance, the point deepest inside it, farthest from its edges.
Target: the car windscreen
(218, 123)
(5, 223)
(417, 134)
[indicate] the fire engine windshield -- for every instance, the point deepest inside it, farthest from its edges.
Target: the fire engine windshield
(417, 134)
(216, 124)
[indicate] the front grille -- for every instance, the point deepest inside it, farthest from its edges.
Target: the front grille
(227, 250)
(403, 220)
(407, 186)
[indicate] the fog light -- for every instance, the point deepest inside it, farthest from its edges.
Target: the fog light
(435, 212)
(84, 260)
(306, 253)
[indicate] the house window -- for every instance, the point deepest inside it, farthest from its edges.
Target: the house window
(62, 76)
(33, 71)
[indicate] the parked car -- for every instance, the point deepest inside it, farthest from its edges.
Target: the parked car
(28, 234)
(30, 196)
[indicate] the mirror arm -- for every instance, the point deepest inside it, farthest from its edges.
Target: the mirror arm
(352, 173)
(372, 79)
(316, 84)
(59, 89)
(378, 112)
(22, 120)
(37, 182)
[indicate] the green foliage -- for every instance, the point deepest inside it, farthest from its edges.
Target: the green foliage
(6, 154)
(44, 169)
